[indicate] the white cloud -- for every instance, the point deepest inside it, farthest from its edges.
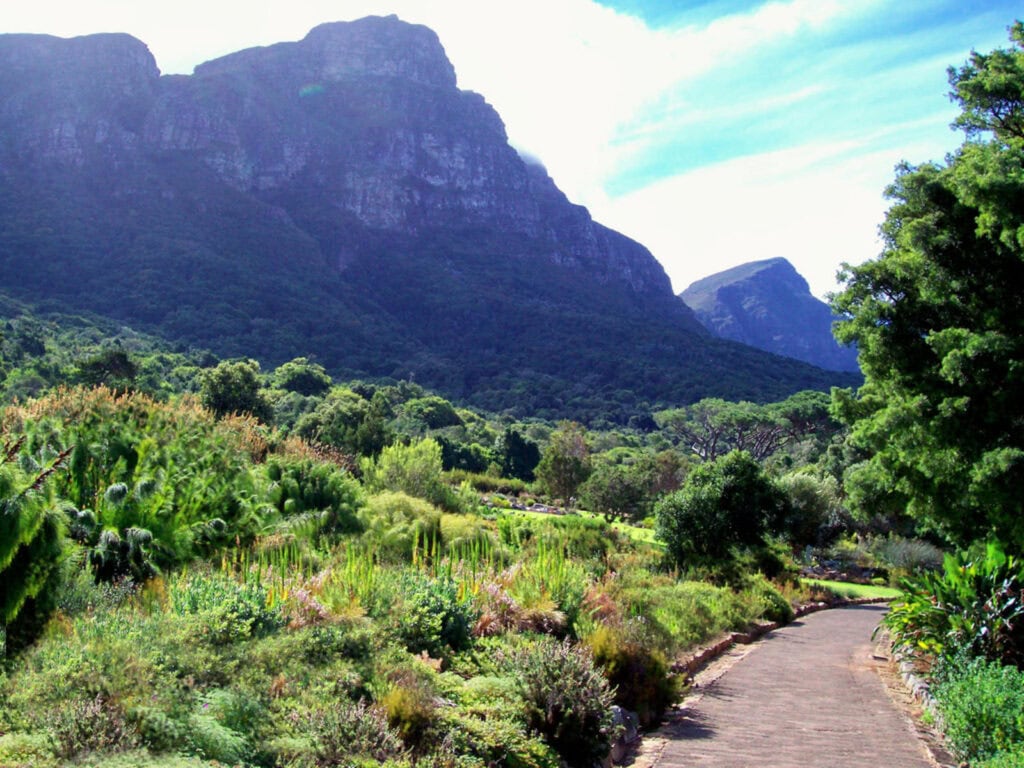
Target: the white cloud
(817, 205)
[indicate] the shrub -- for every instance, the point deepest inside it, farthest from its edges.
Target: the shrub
(95, 725)
(432, 618)
(973, 606)
(496, 741)
(769, 602)
(397, 522)
(638, 672)
(410, 710)
(27, 750)
(567, 700)
(345, 731)
(725, 503)
(982, 707)
(230, 611)
(1012, 759)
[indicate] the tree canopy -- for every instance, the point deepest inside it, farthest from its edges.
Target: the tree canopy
(939, 322)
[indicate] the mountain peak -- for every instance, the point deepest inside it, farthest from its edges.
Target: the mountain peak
(375, 46)
(768, 304)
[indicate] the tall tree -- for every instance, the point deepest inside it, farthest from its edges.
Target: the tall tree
(939, 322)
(565, 463)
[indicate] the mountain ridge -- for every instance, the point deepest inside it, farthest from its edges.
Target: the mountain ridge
(336, 196)
(767, 304)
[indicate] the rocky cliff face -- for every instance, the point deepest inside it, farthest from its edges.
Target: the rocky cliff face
(768, 305)
(337, 196)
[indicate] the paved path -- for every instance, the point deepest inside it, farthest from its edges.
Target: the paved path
(806, 696)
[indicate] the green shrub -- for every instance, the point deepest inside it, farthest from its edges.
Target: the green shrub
(567, 700)
(326, 493)
(973, 606)
(345, 731)
(982, 707)
(141, 759)
(495, 741)
(95, 725)
(768, 601)
(432, 618)
(27, 750)
(410, 710)
(397, 522)
(210, 738)
(638, 673)
(1011, 759)
(229, 611)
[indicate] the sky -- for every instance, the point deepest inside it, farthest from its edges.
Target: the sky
(715, 132)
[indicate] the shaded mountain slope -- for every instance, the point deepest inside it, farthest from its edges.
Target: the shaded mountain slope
(340, 197)
(768, 305)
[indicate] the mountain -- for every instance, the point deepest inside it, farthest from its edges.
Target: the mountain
(768, 305)
(337, 197)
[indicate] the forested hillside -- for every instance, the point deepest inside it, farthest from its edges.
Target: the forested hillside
(338, 197)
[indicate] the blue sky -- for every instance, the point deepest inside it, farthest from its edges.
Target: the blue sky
(714, 132)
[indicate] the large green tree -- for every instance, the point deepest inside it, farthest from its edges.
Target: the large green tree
(938, 318)
(565, 464)
(725, 503)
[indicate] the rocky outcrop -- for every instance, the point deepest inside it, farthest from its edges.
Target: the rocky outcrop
(337, 196)
(768, 305)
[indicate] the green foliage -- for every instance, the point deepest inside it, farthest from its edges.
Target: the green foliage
(302, 376)
(637, 672)
(725, 503)
(772, 605)
(344, 732)
(112, 368)
(31, 541)
(568, 701)
(28, 750)
(434, 619)
(982, 708)
(150, 484)
(618, 492)
(325, 493)
(1012, 759)
(397, 523)
(432, 412)
(234, 388)
(937, 323)
(814, 510)
(565, 463)
(973, 606)
(517, 456)
(713, 427)
(414, 469)
(228, 611)
(349, 422)
(93, 725)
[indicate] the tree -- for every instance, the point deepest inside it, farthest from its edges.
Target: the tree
(618, 491)
(566, 463)
(724, 503)
(518, 456)
(302, 376)
(939, 323)
(234, 387)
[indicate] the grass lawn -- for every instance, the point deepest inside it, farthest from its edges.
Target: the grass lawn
(848, 589)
